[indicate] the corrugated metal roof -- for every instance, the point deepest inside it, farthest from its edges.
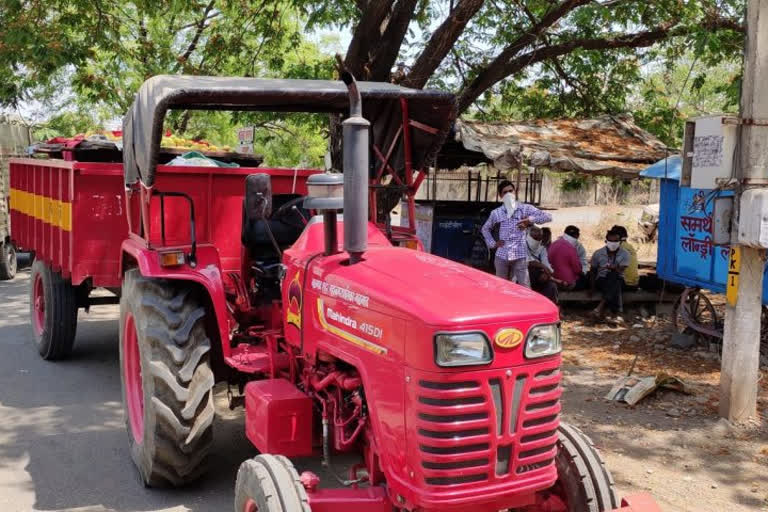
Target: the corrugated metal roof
(607, 145)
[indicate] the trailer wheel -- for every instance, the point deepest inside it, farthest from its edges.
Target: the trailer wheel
(269, 483)
(166, 379)
(584, 483)
(8, 262)
(53, 311)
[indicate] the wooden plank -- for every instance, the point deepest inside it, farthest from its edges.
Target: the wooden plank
(628, 297)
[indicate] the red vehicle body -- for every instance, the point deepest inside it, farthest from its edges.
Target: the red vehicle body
(333, 351)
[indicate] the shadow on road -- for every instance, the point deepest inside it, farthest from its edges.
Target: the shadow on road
(63, 443)
(646, 437)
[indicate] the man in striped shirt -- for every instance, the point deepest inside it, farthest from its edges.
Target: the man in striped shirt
(512, 219)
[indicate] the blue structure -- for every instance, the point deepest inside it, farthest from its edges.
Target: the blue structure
(686, 254)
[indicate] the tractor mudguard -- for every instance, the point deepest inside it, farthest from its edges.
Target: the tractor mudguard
(206, 273)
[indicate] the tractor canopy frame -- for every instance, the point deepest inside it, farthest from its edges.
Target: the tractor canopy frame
(408, 126)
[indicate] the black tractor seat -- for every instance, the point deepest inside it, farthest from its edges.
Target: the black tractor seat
(282, 214)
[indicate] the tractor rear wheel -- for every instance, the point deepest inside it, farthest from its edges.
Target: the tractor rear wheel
(166, 378)
(269, 483)
(53, 312)
(8, 262)
(583, 481)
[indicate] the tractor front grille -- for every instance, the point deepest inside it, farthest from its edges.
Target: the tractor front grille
(490, 429)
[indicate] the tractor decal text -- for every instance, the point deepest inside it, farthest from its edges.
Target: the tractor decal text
(293, 311)
(324, 314)
(339, 292)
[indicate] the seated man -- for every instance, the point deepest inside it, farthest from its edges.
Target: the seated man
(607, 273)
(631, 275)
(564, 259)
(539, 269)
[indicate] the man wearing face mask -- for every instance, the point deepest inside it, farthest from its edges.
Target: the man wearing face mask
(565, 258)
(512, 219)
(539, 269)
(631, 275)
(607, 273)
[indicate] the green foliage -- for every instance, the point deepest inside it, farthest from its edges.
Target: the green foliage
(670, 94)
(615, 55)
(103, 58)
(67, 124)
(573, 182)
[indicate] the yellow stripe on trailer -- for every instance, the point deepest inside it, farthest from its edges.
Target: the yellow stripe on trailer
(51, 211)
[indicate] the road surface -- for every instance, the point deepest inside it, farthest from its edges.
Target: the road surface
(63, 443)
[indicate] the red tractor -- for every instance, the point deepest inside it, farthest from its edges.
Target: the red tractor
(340, 335)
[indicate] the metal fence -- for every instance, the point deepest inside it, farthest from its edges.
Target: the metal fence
(474, 186)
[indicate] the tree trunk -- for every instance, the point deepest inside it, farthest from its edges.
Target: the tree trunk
(441, 42)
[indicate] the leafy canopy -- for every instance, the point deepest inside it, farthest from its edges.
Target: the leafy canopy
(502, 58)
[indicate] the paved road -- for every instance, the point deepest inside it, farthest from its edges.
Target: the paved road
(63, 444)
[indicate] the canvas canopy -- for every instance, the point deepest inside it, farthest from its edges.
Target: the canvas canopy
(605, 146)
(143, 124)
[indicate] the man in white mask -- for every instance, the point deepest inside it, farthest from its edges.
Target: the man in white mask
(607, 273)
(539, 269)
(512, 219)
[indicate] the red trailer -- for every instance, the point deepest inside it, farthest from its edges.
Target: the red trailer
(73, 216)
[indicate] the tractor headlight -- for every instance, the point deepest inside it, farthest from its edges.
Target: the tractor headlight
(462, 349)
(543, 340)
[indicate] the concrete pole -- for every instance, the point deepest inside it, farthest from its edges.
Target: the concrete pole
(741, 342)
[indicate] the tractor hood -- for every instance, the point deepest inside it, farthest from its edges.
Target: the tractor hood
(439, 292)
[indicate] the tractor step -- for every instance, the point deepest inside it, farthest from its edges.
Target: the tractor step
(256, 359)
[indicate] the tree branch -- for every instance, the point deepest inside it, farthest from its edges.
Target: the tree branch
(197, 23)
(499, 69)
(366, 35)
(441, 42)
(196, 38)
(389, 46)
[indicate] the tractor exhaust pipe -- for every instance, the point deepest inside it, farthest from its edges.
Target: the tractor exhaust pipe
(355, 140)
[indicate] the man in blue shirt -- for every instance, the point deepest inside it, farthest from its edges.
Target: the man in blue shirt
(512, 219)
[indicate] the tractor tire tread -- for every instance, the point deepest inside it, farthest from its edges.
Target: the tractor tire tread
(60, 320)
(272, 483)
(578, 457)
(8, 262)
(178, 386)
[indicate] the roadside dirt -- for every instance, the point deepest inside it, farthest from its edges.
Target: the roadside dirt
(672, 445)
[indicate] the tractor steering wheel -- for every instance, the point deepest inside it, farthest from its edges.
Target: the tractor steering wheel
(288, 207)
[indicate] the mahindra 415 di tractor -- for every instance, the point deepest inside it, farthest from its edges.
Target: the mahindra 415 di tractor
(337, 333)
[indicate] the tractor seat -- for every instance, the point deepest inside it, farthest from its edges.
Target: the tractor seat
(283, 213)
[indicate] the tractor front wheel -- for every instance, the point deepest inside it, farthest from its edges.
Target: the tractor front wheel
(53, 312)
(583, 483)
(166, 378)
(269, 483)
(8, 262)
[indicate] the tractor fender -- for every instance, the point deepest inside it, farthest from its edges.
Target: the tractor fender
(207, 273)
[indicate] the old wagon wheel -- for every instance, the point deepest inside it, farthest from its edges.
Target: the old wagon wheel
(695, 314)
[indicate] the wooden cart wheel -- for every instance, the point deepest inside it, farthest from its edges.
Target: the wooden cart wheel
(695, 314)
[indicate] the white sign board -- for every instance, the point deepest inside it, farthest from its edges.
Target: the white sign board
(713, 145)
(245, 135)
(424, 217)
(246, 149)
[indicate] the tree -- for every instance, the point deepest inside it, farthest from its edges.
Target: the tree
(501, 57)
(670, 94)
(107, 48)
(584, 52)
(102, 51)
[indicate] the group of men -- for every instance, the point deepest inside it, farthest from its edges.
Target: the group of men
(525, 254)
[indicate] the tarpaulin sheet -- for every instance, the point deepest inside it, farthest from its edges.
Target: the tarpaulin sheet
(143, 124)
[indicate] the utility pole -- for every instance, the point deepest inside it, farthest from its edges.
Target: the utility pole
(741, 342)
